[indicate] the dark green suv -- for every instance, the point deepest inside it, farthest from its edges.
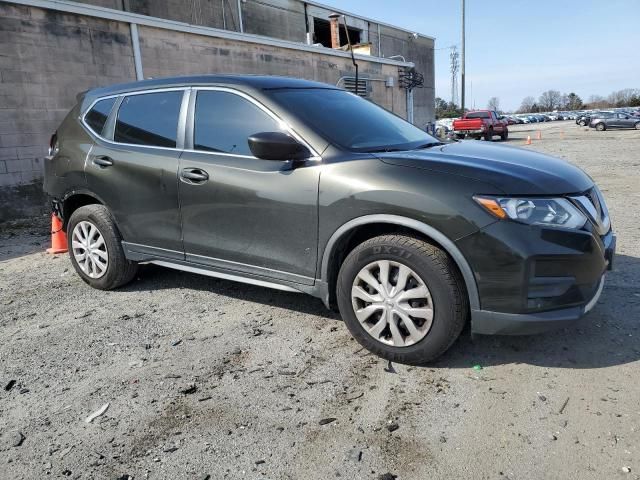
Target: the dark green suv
(304, 187)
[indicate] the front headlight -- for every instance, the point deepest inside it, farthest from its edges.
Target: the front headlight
(551, 212)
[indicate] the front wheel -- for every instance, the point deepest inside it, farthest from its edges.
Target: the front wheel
(601, 127)
(504, 135)
(402, 298)
(488, 136)
(95, 249)
(638, 126)
(582, 123)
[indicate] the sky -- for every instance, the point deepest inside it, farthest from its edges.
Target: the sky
(519, 48)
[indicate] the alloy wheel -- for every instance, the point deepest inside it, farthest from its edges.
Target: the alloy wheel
(89, 249)
(392, 303)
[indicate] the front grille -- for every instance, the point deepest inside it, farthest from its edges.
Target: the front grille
(592, 203)
(592, 195)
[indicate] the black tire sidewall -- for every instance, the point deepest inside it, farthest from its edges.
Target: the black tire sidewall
(437, 339)
(114, 249)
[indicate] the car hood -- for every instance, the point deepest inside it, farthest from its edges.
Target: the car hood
(513, 171)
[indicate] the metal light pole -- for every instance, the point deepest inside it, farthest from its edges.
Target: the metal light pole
(462, 70)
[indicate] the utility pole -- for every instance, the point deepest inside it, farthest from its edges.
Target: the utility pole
(455, 66)
(462, 70)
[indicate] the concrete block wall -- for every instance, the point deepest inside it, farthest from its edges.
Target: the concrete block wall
(285, 19)
(176, 53)
(47, 57)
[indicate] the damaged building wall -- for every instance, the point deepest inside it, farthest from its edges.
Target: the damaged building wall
(289, 20)
(47, 57)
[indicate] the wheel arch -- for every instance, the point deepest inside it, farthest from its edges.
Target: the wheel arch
(380, 224)
(74, 200)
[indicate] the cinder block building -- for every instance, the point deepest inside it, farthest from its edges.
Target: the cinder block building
(52, 49)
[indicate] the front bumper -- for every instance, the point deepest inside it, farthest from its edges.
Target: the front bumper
(495, 323)
(531, 279)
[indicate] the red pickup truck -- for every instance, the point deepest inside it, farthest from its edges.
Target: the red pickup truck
(481, 124)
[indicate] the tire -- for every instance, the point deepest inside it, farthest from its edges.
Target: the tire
(489, 135)
(601, 127)
(118, 270)
(460, 136)
(504, 135)
(637, 126)
(445, 295)
(582, 123)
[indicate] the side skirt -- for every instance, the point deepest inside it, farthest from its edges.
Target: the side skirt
(225, 276)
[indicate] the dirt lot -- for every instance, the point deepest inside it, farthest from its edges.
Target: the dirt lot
(211, 379)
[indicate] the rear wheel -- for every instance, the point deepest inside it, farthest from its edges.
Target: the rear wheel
(402, 298)
(601, 127)
(95, 249)
(583, 123)
(488, 135)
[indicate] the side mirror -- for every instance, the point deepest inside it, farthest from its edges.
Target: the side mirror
(277, 146)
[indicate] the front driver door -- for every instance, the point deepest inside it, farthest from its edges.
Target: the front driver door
(254, 217)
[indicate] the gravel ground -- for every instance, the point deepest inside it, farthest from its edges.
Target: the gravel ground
(206, 378)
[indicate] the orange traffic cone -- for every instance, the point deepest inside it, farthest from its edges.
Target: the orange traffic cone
(539, 135)
(58, 237)
(528, 142)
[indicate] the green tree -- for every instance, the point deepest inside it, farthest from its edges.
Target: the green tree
(574, 102)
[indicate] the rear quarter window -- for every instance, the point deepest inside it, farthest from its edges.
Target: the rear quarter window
(477, 115)
(96, 118)
(149, 119)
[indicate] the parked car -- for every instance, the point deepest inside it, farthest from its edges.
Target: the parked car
(508, 119)
(614, 120)
(481, 124)
(304, 187)
(584, 119)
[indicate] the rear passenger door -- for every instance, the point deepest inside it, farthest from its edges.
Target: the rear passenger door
(239, 213)
(133, 169)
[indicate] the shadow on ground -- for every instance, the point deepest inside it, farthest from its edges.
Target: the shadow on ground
(607, 336)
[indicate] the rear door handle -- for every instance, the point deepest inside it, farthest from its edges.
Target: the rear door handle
(103, 161)
(194, 175)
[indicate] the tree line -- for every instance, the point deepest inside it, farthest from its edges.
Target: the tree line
(554, 100)
(551, 100)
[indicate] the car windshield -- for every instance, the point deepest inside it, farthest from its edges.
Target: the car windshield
(350, 122)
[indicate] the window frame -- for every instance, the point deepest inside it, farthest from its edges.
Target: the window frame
(109, 127)
(116, 104)
(190, 126)
(186, 120)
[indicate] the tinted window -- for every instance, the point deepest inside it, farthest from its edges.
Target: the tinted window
(224, 121)
(477, 115)
(149, 119)
(350, 121)
(97, 116)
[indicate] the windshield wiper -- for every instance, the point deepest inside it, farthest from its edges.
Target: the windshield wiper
(403, 149)
(385, 150)
(428, 145)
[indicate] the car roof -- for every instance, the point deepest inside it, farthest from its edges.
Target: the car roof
(251, 82)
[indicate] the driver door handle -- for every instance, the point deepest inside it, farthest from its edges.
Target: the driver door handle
(103, 161)
(194, 175)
